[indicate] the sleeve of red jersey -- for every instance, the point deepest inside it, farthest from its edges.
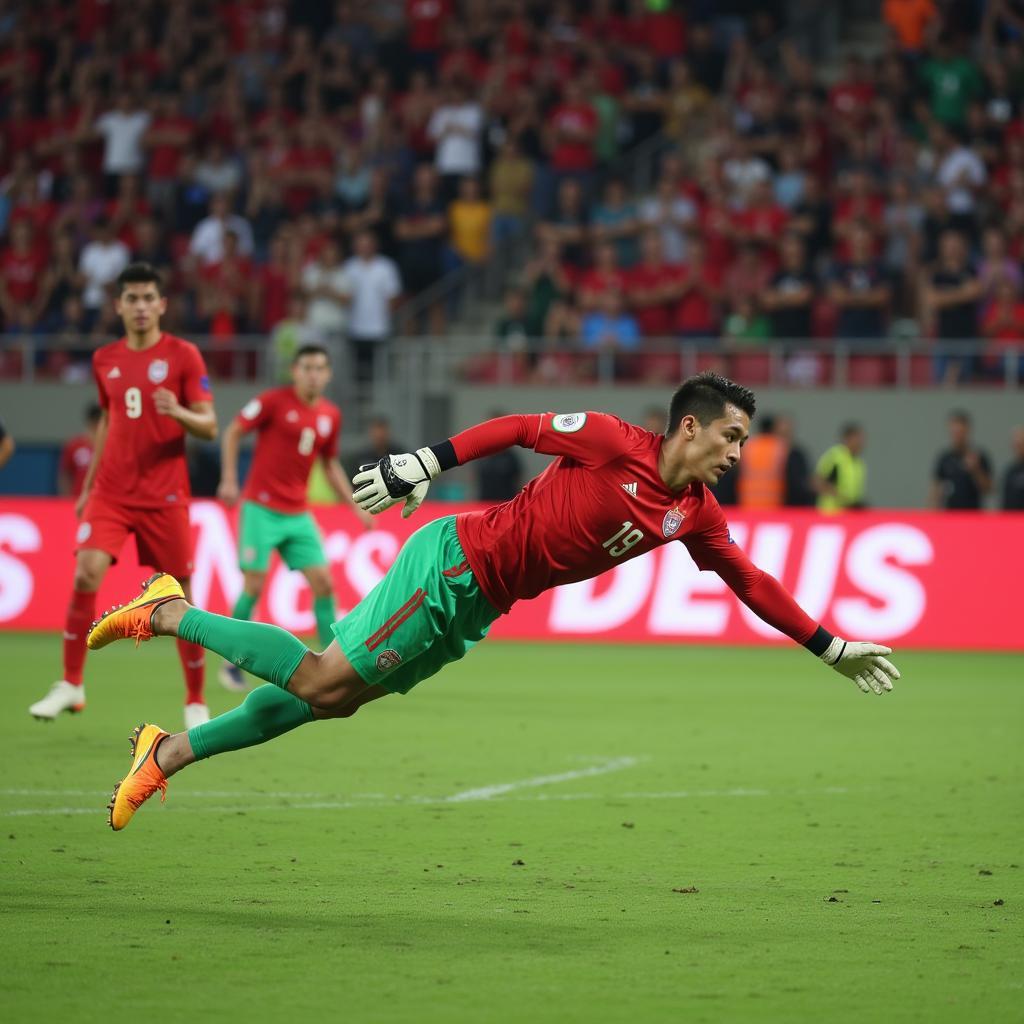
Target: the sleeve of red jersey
(713, 548)
(591, 438)
(197, 378)
(330, 448)
(101, 390)
(256, 412)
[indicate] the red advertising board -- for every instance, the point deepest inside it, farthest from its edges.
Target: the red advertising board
(911, 579)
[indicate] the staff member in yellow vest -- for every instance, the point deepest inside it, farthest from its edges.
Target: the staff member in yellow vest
(762, 483)
(841, 474)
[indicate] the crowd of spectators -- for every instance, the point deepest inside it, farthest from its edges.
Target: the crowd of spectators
(295, 169)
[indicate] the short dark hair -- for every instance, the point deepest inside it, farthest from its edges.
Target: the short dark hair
(850, 428)
(139, 273)
(705, 396)
(960, 416)
(310, 350)
(93, 413)
(767, 423)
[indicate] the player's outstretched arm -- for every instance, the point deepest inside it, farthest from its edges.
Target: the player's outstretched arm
(99, 443)
(227, 489)
(343, 489)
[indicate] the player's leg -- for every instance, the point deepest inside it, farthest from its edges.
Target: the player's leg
(256, 541)
(324, 612)
(99, 538)
(302, 548)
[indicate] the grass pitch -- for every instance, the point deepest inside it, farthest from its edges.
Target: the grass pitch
(542, 833)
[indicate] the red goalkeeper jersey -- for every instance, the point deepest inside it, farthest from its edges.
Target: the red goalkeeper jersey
(291, 436)
(600, 503)
(143, 459)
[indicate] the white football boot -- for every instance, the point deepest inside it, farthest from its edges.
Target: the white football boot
(232, 677)
(196, 714)
(62, 697)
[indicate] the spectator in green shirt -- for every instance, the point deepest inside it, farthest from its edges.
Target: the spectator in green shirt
(951, 80)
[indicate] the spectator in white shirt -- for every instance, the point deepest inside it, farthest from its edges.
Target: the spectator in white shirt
(375, 287)
(207, 244)
(100, 262)
(122, 130)
(325, 284)
(960, 172)
(456, 126)
(673, 215)
(216, 171)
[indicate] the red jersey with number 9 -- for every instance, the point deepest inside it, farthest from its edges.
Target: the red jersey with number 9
(291, 436)
(143, 460)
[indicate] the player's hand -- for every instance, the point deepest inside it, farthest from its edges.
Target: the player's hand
(166, 402)
(864, 663)
(396, 477)
(227, 492)
(365, 518)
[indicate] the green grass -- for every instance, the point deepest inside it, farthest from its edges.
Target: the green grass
(329, 876)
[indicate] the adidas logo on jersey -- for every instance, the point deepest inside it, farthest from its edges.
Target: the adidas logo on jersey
(630, 489)
(114, 373)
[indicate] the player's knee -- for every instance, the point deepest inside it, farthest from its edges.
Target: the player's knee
(320, 582)
(87, 578)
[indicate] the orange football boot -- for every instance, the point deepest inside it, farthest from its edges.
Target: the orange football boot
(133, 619)
(144, 779)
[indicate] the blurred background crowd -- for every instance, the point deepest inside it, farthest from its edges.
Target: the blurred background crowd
(302, 170)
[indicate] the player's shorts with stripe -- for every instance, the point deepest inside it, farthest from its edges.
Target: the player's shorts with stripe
(163, 536)
(294, 534)
(428, 611)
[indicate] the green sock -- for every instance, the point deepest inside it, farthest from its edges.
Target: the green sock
(243, 606)
(323, 612)
(265, 713)
(266, 651)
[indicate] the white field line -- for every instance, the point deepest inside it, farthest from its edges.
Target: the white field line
(402, 801)
(489, 792)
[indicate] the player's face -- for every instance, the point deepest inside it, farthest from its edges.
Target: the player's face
(310, 375)
(714, 449)
(140, 306)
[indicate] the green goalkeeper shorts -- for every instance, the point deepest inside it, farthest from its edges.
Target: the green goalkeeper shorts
(428, 610)
(295, 535)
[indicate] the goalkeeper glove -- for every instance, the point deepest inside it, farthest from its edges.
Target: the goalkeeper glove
(864, 663)
(377, 487)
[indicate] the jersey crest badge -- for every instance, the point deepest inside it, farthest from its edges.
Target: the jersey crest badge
(387, 660)
(323, 425)
(569, 422)
(672, 521)
(157, 371)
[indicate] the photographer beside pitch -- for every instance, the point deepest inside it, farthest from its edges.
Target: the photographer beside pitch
(614, 492)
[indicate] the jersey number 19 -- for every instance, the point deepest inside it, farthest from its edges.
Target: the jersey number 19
(627, 537)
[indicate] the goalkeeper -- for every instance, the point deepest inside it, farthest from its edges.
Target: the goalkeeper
(613, 492)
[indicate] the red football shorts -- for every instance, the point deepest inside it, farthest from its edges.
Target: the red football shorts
(163, 537)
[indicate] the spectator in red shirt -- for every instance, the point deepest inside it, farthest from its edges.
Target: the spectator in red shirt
(167, 138)
(606, 275)
(860, 206)
(850, 98)
(698, 295)
(572, 129)
(426, 20)
(22, 276)
(652, 284)
(76, 455)
(1003, 324)
(763, 222)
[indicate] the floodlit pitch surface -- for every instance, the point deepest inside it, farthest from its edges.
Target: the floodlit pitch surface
(545, 833)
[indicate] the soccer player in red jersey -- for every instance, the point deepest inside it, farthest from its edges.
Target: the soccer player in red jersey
(153, 390)
(295, 426)
(76, 455)
(614, 492)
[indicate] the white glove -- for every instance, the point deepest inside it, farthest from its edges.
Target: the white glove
(378, 487)
(864, 663)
